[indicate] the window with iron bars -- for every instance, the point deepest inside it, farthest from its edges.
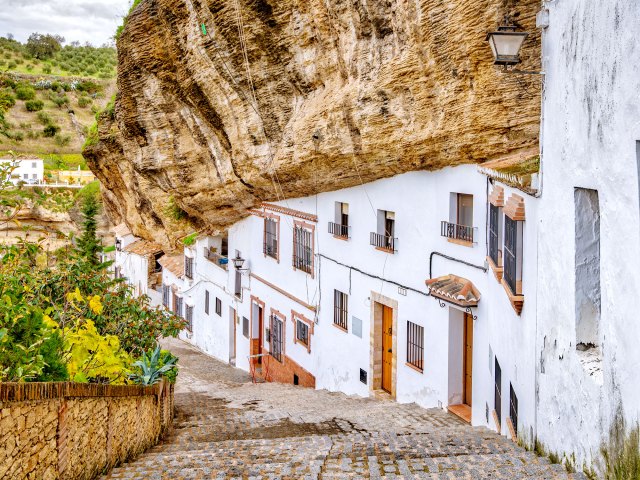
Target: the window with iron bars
(513, 408)
(218, 307)
(510, 254)
(340, 309)
(189, 317)
(302, 332)
(415, 345)
(276, 337)
(494, 235)
(303, 249)
(270, 245)
(166, 295)
(177, 306)
(188, 267)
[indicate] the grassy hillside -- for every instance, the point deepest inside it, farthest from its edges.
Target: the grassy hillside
(70, 60)
(49, 115)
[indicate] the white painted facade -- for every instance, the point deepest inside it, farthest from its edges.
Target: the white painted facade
(590, 135)
(28, 170)
(420, 201)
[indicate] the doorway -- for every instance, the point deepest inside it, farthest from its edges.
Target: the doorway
(468, 360)
(232, 336)
(387, 347)
(257, 329)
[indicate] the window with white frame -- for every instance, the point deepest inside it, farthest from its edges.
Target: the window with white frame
(340, 227)
(384, 236)
(460, 224)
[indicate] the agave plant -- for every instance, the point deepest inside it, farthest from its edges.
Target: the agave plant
(152, 367)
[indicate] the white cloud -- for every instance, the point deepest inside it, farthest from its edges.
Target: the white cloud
(92, 21)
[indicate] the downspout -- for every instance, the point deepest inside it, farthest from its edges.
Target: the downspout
(453, 259)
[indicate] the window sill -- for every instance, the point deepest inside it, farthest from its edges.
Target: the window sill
(339, 237)
(464, 243)
(342, 329)
(517, 301)
(386, 250)
(413, 367)
(497, 271)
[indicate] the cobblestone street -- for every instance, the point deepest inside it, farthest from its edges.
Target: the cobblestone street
(228, 428)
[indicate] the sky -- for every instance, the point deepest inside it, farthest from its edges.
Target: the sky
(92, 21)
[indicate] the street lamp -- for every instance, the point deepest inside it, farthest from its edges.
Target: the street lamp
(505, 45)
(238, 261)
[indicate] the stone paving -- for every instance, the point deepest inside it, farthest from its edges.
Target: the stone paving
(228, 428)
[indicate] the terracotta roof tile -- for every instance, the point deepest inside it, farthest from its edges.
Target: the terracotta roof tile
(454, 289)
(121, 230)
(173, 263)
(143, 247)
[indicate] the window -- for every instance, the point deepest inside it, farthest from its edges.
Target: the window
(587, 268)
(34, 175)
(276, 337)
(177, 305)
(188, 267)
(271, 227)
(513, 409)
(384, 238)
(245, 327)
(206, 302)
(495, 234)
(303, 248)
(34, 165)
(238, 285)
(218, 307)
(189, 317)
(117, 273)
(497, 403)
(340, 228)
(513, 255)
(156, 262)
(460, 224)
(166, 292)
(415, 345)
(26, 176)
(302, 332)
(340, 310)
(118, 244)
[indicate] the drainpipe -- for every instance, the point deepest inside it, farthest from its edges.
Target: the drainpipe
(453, 259)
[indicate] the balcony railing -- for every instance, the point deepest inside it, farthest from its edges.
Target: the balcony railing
(456, 232)
(383, 241)
(339, 230)
(220, 260)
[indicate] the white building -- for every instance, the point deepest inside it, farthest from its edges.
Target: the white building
(28, 170)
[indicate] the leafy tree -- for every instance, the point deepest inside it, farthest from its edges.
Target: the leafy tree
(44, 46)
(89, 244)
(50, 130)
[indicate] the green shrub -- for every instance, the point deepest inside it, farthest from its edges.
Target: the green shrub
(19, 61)
(62, 140)
(50, 130)
(17, 136)
(46, 69)
(44, 118)
(29, 67)
(34, 105)
(25, 92)
(7, 100)
(84, 102)
(12, 65)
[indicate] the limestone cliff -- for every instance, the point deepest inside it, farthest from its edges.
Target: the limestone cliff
(345, 91)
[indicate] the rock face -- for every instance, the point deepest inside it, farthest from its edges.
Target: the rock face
(285, 98)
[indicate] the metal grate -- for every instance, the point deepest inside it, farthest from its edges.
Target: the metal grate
(270, 246)
(339, 230)
(498, 391)
(302, 249)
(302, 332)
(276, 338)
(383, 241)
(166, 290)
(218, 307)
(363, 376)
(493, 234)
(188, 267)
(510, 245)
(455, 231)
(340, 309)
(189, 317)
(415, 345)
(513, 408)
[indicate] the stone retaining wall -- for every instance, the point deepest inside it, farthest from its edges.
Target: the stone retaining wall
(77, 431)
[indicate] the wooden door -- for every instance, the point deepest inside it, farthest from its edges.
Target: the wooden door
(387, 347)
(468, 358)
(260, 332)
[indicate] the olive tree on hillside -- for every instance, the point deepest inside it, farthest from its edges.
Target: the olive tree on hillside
(44, 46)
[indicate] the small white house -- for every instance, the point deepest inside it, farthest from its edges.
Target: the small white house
(28, 170)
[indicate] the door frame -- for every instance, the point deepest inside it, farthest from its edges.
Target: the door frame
(466, 319)
(375, 350)
(260, 321)
(233, 317)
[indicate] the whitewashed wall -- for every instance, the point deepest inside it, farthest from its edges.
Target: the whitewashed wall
(590, 128)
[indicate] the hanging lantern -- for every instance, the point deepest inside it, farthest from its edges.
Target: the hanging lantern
(505, 44)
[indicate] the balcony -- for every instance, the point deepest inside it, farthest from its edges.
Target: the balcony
(457, 233)
(221, 261)
(383, 242)
(338, 230)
